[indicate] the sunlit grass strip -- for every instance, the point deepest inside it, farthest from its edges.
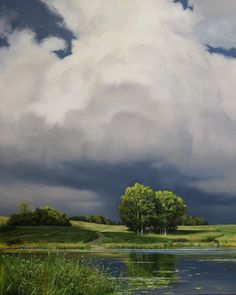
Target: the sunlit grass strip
(42, 246)
(3, 219)
(51, 275)
(168, 245)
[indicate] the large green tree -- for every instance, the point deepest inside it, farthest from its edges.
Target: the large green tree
(169, 208)
(136, 207)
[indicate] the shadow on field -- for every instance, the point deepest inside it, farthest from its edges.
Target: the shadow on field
(187, 232)
(46, 234)
(132, 238)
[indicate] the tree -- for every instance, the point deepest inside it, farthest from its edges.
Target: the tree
(24, 216)
(136, 207)
(50, 216)
(193, 220)
(24, 208)
(169, 209)
(94, 219)
(40, 216)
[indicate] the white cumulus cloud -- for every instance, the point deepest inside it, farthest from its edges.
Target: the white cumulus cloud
(139, 85)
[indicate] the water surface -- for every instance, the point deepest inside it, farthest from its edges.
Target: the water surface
(171, 271)
(165, 272)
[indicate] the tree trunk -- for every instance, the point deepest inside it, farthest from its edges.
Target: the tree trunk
(165, 231)
(141, 231)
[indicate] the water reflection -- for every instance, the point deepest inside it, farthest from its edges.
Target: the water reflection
(150, 271)
(178, 273)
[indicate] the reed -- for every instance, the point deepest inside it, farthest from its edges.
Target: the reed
(51, 275)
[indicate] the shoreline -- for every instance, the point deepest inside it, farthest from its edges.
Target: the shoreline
(195, 251)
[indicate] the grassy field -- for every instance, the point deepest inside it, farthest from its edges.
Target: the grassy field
(3, 219)
(185, 236)
(45, 236)
(84, 235)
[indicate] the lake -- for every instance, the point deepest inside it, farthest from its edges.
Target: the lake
(166, 272)
(171, 271)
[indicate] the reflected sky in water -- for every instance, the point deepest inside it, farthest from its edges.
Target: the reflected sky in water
(178, 272)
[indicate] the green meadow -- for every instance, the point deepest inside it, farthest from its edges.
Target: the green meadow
(83, 235)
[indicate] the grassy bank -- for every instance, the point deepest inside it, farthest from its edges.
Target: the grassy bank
(84, 235)
(52, 275)
(211, 236)
(45, 237)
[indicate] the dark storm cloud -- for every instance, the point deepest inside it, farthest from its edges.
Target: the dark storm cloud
(109, 182)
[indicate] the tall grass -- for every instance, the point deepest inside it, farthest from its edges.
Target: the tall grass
(51, 275)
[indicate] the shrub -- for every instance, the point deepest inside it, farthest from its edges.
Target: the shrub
(40, 216)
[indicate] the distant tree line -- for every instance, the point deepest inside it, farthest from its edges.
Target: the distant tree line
(99, 219)
(192, 220)
(141, 209)
(40, 216)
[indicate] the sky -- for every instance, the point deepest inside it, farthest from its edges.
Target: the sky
(96, 95)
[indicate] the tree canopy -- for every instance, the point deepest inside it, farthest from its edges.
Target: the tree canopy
(142, 208)
(193, 220)
(136, 207)
(99, 219)
(39, 216)
(169, 210)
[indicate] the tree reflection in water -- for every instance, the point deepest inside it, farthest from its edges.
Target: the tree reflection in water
(147, 271)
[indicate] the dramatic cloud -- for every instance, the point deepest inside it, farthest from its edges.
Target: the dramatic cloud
(139, 86)
(39, 195)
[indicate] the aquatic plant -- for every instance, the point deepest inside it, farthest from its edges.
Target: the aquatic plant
(51, 275)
